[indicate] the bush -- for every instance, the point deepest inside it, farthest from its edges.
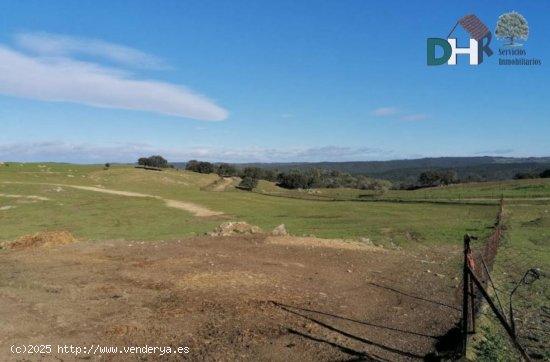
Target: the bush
(248, 183)
(545, 173)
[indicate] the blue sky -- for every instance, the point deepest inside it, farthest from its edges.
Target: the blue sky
(240, 81)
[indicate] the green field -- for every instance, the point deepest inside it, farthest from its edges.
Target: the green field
(437, 215)
(40, 197)
(93, 215)
(536, 190)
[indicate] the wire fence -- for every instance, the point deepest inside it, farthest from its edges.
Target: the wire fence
(514, 277)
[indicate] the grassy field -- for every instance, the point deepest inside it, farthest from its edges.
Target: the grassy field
(486, 192)
(40, 197)
(92, 215)
(526, 245)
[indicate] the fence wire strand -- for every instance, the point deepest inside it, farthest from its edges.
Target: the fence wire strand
(516, 278)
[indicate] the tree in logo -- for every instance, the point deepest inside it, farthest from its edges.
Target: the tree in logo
(512, 26)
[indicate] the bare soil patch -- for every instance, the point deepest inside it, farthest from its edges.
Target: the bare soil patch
(240, 298)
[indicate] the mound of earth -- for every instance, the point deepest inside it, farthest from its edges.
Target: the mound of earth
(235, 227)
(280, 231)
(41, 239)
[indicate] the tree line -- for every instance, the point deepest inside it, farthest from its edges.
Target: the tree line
(290, 179)
(530, 175)
(316, 177)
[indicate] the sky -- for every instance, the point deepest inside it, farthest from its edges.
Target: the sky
(263, 81)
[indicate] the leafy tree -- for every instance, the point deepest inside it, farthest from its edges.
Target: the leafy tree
(434, 178)
(248, 183)
(294, 180)
(428, 178)
(270, 175)
(153, 161)
(205, 167)
(225, 169)
(199, 166)
(192, 165)
(253, 172)
(448, 177)
(545, 173)
(525, 175)
(511, 26)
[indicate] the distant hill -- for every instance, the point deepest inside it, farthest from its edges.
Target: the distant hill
(485, 168)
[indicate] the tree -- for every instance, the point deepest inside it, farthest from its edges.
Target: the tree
(294, 179)
(205, 167)
(525, 175)
(448, 177)
(107, 165)
(545, 173)
(153, 161)
(428, 178)
(225, 169)
(510, 26)
(248, 183)
(253, 172)
(199, 166)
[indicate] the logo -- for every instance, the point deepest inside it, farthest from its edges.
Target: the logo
(512, 26)
(480, 38)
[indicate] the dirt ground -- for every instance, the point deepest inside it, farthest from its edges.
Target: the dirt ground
(242, 298)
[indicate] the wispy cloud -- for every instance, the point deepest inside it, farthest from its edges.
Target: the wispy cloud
(54, 45)
(385, 111)
(88, 153)
(498, 151)
(65, 79)
(415, 117)
(396, 113)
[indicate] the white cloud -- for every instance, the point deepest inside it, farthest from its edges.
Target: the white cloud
(385, 111)
(54, 45)
(396, 112)
(57, 151)
(415, 117)
(68, 80)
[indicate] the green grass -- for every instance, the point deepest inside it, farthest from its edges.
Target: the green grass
(92, 215)
(486, 192)
(526, 245)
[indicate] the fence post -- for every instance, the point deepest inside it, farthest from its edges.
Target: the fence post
(465, 291)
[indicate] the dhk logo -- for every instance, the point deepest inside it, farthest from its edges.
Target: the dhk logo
(480, 38)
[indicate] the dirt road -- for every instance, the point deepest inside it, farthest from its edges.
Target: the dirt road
(193, 208)
(241, 298)
(227, 181)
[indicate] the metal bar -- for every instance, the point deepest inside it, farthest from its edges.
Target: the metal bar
(473, 307)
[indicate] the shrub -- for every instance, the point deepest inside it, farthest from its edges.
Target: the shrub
(248, 183)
